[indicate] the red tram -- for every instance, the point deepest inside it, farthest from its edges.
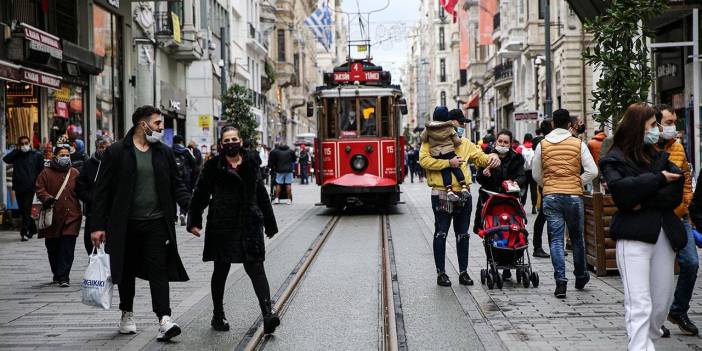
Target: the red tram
(359, 150)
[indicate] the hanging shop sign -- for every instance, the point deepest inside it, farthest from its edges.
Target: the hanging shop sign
(9, 71)
(61, 109)
(524, 116)
(42, 41)
(40, 78)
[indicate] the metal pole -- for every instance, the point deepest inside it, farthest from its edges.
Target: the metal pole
(696, 84)
(223, 68)
(458, 93)
(548, 101)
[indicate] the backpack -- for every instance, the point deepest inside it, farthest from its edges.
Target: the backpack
(180, 164)
(528, 155)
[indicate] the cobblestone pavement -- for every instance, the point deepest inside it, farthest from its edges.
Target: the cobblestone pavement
(37, 315)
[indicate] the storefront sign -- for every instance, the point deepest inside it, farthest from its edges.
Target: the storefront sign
(524, 116)
(42, 41)
(203, 121)
(9, 71)
(63, 94)
(173, 100)
(61, 109)
(41, 78)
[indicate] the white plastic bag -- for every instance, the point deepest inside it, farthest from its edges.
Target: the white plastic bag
(96, 289)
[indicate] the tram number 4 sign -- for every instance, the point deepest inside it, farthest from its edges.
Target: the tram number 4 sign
(357, 74)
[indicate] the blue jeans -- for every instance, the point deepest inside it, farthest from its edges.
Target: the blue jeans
(442, 223)
(689, 263)
(563, 211)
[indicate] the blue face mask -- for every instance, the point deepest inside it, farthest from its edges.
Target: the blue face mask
(63, 161)
(651, 136)
(460, 131)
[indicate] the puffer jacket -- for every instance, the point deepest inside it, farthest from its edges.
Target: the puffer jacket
(679, 159)
(595, 146)
(441, 136)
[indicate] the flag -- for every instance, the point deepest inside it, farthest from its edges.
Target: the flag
(488, 9)
(320, 23)
(450, 7)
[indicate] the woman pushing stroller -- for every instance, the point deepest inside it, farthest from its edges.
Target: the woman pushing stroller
(491, 180)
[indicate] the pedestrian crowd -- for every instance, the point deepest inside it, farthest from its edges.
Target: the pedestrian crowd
(643, 167)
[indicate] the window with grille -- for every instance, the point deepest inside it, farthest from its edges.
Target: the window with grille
(442, 70)
(281, 45)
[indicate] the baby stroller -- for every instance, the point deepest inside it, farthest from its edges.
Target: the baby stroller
(505, 238)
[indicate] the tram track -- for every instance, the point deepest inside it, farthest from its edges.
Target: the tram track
(391, 334)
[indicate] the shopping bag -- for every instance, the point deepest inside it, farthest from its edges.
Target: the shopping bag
(36, 208)
(96, 289)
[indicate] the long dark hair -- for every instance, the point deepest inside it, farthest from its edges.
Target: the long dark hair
(507, 133)
(630, 134)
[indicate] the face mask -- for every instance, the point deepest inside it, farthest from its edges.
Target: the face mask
(231, 149)
(155, 136)
(25, 148)
(64, 161)
(669, 132)
(99, 153)
(651, 136)
(460, 131)
(502, 149)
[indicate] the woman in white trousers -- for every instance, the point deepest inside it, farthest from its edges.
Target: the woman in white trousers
(646, 187)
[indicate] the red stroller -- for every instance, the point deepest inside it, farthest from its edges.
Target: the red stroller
(505, 239)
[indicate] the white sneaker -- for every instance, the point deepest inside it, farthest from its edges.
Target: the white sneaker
(452, 197)
(167, 329)
(276, 201)
(127, 324)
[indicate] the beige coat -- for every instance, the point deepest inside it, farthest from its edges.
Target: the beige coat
(442, 138)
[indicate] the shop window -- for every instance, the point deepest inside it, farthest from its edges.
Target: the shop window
(22, 113)
(107, 36)
(66, 113)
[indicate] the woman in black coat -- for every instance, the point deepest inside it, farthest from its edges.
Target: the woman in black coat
(646, 188)
(239, 210)
(86, 185)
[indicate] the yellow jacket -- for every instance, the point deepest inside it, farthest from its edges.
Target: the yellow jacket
(468, 151)
(678, 158)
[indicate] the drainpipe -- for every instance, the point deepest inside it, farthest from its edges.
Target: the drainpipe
(583, 76)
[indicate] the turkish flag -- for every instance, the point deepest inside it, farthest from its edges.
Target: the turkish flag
(449, 6)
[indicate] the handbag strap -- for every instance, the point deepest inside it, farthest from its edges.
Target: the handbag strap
(63, 186)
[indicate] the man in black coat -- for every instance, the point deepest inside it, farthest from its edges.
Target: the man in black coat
(281, 161)
(85, 184)
(187, 167)
(304, 161)
(27, 164)
(134, 212)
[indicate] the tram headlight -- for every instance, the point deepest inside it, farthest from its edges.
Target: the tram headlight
(359, 163)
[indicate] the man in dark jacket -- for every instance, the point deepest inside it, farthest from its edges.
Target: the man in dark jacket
(27, 164)
(85, 186)
(281, 161)
(304, 162)
(134, 212)
(187, 167)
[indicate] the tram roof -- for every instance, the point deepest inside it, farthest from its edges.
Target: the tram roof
(361, 91)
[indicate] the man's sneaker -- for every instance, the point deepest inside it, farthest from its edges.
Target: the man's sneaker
(23, 237)
(451, 196)
(581, 282)
(665, 332)
(182, 220)
(561, 287)
(443, 280)
(539, 252)
(276, 201)
(64, 284)
(167, 329)
(464, 279)
(219, 322)
(127, 324)
(684, 323)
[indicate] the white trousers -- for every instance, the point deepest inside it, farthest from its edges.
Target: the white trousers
(649, 282)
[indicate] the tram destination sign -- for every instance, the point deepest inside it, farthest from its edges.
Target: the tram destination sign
(356, 74)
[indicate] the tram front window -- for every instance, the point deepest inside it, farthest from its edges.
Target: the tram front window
(349, 120)
(369, 123)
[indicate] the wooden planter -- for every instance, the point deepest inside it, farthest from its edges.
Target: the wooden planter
(601, 252)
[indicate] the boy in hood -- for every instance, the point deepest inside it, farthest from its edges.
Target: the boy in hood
(443, 140)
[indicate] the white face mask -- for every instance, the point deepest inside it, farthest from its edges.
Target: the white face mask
(502, 149)
(669, 132)
(155, 136)
(460, 131)
(25, 148)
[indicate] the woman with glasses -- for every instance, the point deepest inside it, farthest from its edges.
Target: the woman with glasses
(239, 214)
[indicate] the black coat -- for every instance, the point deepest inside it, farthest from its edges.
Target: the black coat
(239, 210)
(114, 191)
(695, 207)
(632, 185)
(26, 167)
(85, 189)
(281, 159)
(511, 168)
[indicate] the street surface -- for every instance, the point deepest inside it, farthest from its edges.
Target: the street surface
(336, 306)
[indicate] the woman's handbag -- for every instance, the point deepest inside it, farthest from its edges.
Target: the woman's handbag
(46, 215)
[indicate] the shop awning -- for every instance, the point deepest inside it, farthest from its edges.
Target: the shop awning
(44, 79)
(473, 101)
(9, 71)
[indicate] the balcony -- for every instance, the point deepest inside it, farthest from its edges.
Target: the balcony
(163, 24)
(188, 49)
(476, 73)
(256, 42)
(285, 73)
(503, 74)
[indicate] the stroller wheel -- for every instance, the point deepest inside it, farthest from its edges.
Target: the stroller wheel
(483, 275)
(519, 275)
(535, 279)
(498, 282)
(490, 282)
(525, 280)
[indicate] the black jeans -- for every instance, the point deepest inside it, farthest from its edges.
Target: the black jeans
(442, 222)
(539, 223)
(146, 251)
(24, 203)
(448, 171)
(303, 174)
(531, 186)
(60, 251)
(256, 273)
